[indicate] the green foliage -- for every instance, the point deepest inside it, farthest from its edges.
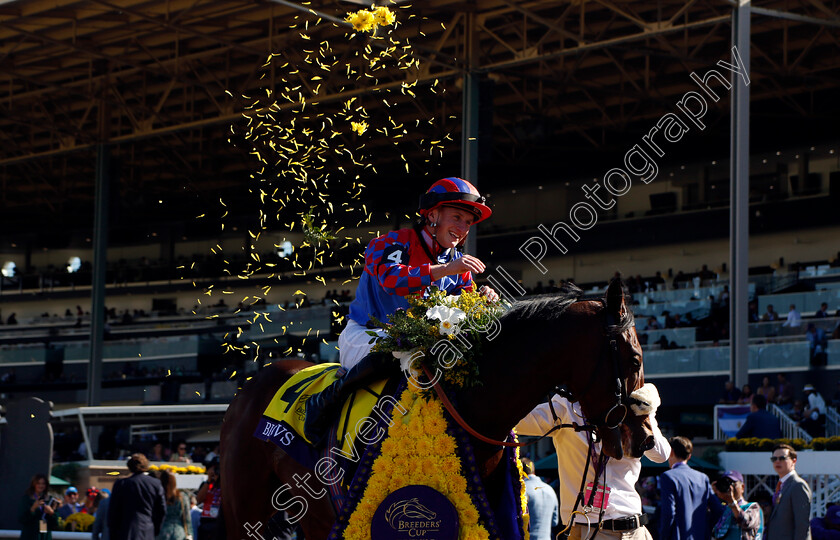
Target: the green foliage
(314, 234)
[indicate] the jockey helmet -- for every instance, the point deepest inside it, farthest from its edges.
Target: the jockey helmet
(456, 193)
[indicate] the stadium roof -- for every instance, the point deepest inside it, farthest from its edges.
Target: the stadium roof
(564, 83)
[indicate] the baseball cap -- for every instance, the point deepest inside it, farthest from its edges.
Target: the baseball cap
(733, 475)
(809, 387)
(70, 490)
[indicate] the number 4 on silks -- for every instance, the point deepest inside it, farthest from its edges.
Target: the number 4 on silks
(395, 253)
(291, 394)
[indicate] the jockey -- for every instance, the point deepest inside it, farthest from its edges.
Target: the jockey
(397, 264)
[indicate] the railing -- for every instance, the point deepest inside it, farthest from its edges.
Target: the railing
(789, 428)
(806, 302)
(832, 422)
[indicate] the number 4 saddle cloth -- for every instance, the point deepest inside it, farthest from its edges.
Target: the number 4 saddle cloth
(283, 419)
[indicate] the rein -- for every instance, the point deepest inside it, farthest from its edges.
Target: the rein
(463, 423)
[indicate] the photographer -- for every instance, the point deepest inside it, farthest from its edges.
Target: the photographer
(37, 511)
(740, 520)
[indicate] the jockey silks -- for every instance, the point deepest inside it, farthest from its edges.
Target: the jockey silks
(397, 265)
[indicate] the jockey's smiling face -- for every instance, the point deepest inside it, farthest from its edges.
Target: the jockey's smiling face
(453, 224)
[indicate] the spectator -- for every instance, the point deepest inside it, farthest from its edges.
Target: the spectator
(213, 455)
(791, 499)
(685, 496)
(180, 454)
(822, 313)
(767, 390)
(730, 394)
(12, 319)
(813, 420)
(157, 452)
(91, 501)
(797, 412)
(835, 400)
(769, 315)
(652, 324)
(740, 520)
(71, 503)
(760, 423)
(828, 527)
(35, 512)
(210, 493)
(746, 395)
(176, 524)
(784, 394)
(752, 312)
(195, 516)
(137, 505)
(723, 297)
(818, 343)
(542, 504)
(100, 525)
(794, 318)
(199, 454)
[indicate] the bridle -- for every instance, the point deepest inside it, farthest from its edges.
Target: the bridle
(611, 419)
(615, 415)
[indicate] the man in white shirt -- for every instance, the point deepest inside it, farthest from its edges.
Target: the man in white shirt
(794, 319)
(813, 419)
(623, 517)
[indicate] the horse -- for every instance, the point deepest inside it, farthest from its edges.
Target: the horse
(588, 345)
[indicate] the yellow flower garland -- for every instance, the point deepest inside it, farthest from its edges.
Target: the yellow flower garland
(523, 497)
(417, 451)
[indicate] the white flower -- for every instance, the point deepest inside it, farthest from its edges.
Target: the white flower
(407, 358)
(451, 300)
(449, 318)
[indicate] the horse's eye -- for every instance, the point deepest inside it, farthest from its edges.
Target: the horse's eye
(636, 362)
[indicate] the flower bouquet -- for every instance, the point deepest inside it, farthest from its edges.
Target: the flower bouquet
(446, 332)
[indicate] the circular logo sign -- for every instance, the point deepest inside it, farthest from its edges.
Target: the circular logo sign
(415, 512)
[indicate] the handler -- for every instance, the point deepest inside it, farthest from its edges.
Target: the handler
(397, 264)
(623, 517)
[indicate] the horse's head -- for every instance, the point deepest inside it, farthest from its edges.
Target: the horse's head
(616, 372)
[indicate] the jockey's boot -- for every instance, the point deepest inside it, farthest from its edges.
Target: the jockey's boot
(322, 408)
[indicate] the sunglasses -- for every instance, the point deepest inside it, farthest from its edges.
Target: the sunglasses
(779, 458)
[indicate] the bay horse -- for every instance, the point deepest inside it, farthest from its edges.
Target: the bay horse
(590, 346)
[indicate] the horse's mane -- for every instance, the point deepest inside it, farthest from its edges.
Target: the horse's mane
(546, 307)
(551, 306)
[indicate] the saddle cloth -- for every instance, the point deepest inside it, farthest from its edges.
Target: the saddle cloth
(283, 420)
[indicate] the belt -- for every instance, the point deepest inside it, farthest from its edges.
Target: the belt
(625, 524)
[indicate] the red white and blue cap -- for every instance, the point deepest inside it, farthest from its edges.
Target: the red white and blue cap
(455, 192)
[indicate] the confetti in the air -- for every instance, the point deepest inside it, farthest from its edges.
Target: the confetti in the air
(330, 104)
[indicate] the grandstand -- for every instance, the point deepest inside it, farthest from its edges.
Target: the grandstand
(545, 97)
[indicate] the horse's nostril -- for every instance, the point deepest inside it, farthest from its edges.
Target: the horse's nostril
(647, 444)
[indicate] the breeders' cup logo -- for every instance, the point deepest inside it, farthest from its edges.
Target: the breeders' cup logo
(415, 511)
(399, 514)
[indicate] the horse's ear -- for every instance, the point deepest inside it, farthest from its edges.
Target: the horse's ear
(615, 302)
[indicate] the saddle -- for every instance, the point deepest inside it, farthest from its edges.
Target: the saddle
(283, 421)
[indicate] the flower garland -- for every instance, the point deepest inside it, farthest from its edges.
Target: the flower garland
(79, 522)
(175, 469)
(417, 451)
(458, 321)
(523, 497)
